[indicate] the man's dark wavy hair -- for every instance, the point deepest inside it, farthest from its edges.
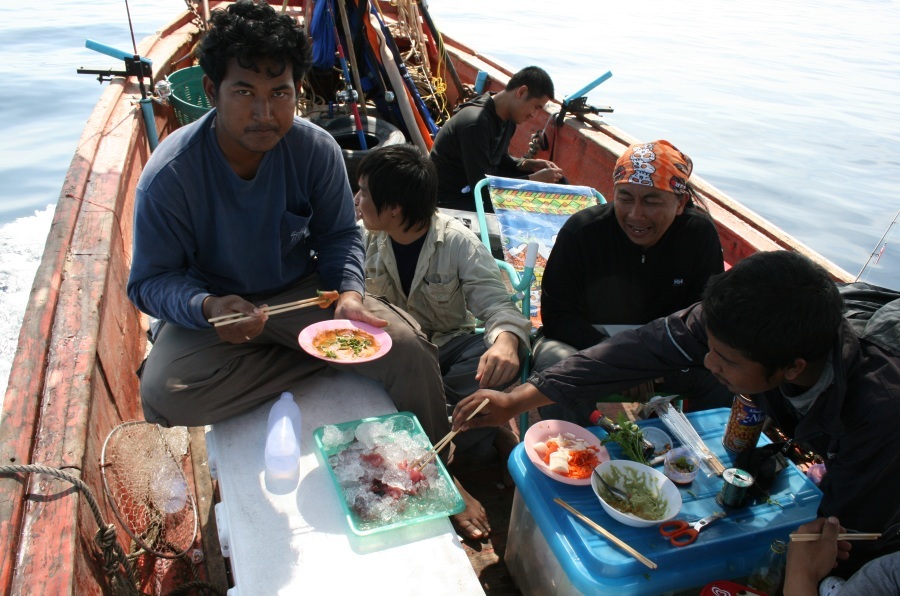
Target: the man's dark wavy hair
(774, 307)
(252, 31)
(401, 176)
(536, 79)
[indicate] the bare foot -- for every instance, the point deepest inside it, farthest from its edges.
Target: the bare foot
(473, 521)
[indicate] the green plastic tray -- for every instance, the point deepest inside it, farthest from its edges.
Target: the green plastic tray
(402, 421)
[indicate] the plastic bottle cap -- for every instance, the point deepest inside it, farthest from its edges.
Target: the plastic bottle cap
(595, 416)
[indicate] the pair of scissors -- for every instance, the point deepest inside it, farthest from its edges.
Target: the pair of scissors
(681, 533)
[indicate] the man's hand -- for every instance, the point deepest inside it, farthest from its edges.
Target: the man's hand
(547, 175)
(502, 407)
(497, 413)
(236, 333)
(500, 363)
(350, 306)
(541, 170)
(535, 165)
(809, 562)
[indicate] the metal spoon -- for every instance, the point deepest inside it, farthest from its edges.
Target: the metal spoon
(616, 492)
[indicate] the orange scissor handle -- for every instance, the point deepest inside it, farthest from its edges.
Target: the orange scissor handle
(670, 528)
(679, 532)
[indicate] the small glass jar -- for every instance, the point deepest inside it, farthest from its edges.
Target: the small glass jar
(680, 466)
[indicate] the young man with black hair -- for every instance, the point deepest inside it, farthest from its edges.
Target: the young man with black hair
(228, 213)
(438, 271)
(474, 143)
(772, 328)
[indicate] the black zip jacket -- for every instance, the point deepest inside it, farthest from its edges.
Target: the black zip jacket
(596, 275)
(852, 424)
(472, 144)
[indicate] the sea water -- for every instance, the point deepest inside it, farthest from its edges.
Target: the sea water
(790, 108)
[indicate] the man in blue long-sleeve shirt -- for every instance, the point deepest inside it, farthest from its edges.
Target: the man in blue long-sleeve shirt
(249, 206)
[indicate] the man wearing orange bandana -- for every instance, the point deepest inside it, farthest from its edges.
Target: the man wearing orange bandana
(645, 255)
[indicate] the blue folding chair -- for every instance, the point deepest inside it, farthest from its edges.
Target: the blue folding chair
(529, 215)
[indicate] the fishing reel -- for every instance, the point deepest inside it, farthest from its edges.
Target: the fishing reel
(346, 95)
(163, 90)
(574, 104)
(580, 107)
(577, 102)
(538, 142)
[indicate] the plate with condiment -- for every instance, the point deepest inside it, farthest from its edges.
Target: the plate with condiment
(564, 451)
(662, 442)
(344, 341)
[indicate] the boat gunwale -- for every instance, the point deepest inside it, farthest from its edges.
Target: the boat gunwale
(34, 421)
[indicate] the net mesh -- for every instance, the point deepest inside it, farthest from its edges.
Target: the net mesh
(142, 467)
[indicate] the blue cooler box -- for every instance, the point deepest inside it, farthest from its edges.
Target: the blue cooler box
(552, 552)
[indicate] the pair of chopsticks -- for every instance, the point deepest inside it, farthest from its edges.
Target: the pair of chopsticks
(848, 536)
(271, 310)
(606, 533)
(439, 446)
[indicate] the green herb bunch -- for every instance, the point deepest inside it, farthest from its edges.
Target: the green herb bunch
(629, 437)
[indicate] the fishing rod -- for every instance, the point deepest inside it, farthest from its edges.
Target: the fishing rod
(348, 94)
(348, 36)
(135, 66)
(575, 104)
(878, 251)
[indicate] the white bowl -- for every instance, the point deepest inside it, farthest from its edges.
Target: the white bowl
(666, 487)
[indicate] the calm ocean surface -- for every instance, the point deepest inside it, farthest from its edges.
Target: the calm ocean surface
(790, 108)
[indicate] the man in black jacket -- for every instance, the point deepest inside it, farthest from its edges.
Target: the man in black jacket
(475, 141)
(772, 328)
(647, 254)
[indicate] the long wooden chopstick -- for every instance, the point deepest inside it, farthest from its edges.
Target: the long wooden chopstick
(846, 536)
(271, 310)
(439, 446)
(606, 533)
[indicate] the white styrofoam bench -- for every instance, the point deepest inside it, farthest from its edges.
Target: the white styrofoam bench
(293, 537)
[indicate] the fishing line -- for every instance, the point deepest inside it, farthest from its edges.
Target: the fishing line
(131, 28)
(876, 253)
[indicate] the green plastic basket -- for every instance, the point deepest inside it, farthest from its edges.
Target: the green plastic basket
(188, 98)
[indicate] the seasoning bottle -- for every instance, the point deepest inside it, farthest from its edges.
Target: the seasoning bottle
(769, 571)
(283, 438)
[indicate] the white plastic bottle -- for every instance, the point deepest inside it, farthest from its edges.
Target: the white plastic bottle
(283, 438)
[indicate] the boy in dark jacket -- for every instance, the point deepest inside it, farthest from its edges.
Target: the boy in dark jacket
(771, 328)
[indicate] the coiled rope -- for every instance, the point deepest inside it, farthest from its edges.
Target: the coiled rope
(116, 564)
(431, 88)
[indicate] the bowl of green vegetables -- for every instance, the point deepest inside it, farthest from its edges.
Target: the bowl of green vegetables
(651, 497)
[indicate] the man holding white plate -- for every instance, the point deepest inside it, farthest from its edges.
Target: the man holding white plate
(250, 206)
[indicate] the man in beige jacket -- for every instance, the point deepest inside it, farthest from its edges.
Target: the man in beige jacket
(438, 271)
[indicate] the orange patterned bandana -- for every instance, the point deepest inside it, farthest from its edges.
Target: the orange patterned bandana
(658, 164)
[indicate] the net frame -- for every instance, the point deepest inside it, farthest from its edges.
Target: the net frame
(166, 542)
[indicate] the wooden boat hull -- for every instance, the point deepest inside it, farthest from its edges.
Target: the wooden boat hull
(73, 376)
(81, 340)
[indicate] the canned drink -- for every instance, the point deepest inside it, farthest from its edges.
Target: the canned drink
(744, 425)
(734, 487)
